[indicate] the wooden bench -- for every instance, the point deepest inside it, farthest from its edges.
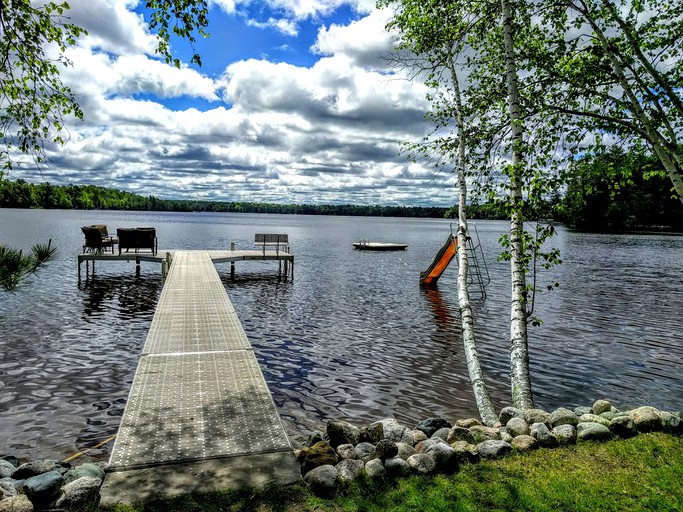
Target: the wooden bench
(272, 241)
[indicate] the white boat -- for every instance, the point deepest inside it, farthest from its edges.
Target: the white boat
(364, 245)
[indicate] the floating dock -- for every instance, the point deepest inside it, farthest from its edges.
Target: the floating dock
(199, 416)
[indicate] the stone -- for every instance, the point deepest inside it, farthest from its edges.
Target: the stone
(562, 416)
(517, 427)
(580, 411)
(601, 406)
(608, 415)
(18, 503)
(12, 460)
(314, 438)
(465, 452)
(386, 449)
(322, 481)
(467, 423)
(589, 431)
(405, 450)
(375, 469)
(670, 422)
(348, 470)
(431, 425)
(646, 419)
(507, 413)
(39, 467)
(7, 488)
(342, 432)
(592, 418)
(524, 443)
(346, 451)
(442, 433)
(320, 454)
(419, 436)
(460, 434)
(80, 493)
(493, 449)
(532, 416)
(542, 434)
(365, 452)
(565, 434)
(396, 467)
(372, 434)
(43, 489)
(423, 445)
(7, 469)
(421, 464)
(86, 469)
(396, 432)
(481, 433)
(623, 426)
(445, 458)
(505, 436)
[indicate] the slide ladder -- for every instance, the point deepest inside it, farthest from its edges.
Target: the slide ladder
(441, 261)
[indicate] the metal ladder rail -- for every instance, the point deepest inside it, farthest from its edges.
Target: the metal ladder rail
(478, 274)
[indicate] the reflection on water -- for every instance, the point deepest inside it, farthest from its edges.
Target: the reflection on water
(353, 336)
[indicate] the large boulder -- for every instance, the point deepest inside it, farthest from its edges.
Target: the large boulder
(623, 426)
(346, 451)
(593, 418)
(524, 443)
(322, 481)
(43, 489)
(532, 416)
(517, 427)
(314, 438)
(465, 452)
(421, 464)
(646, 419)
(562, 416)
(460, 434)
(18, 503)
(431, 425)
(342, 432)
(601, 406)
(397, 467)
(320, 454)
(467, 422)
(422, 446)
(39, 467)
(395, 432)
(7, 469)
(375, 469)
(565, 434)
(365, 452)
(493, 449)
(543, 435)
(349, 469)
(372, 433)
(386, 449)
(78, 494)
(482, 433)
(507, 413)
(590, 431)
(405, 450)
(87, 469)
(418, 436)
(670, 422)
(445, 457)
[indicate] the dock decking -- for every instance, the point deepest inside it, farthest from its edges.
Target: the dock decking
(199, 415)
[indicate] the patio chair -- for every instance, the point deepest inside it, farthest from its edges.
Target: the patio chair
(94, 241)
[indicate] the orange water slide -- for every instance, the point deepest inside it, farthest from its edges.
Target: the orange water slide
(441, 261)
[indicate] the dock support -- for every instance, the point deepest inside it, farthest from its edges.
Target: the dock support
(232, 263)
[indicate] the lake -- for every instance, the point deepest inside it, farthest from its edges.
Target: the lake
(352, 337)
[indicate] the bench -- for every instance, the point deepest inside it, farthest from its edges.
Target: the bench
(137, 239)
(272, 241)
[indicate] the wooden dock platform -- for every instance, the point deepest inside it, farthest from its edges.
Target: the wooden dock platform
(199, 415)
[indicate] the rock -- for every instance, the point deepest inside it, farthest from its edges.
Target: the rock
(465, 452)
(396, 467)
(396, 432)
(346, 451)
(532, 416)
(7, 489)
(601, 406)
(445, 458)
(442, 433)
(421, 464)
(565, 434)
(299, 454)
(348, 470)
(372, 434)
(80, 493)
(365, 452)
(460, 434)
(608, 415)
(589, 431)
(43, 489)
(507, 413)
(419, 436)
(670, 422)
(646, 419)
(320, 454)
(562, 416)
(322, 481)
(405, 450)
(580, 411)
(86, 469)
(524, 443)
(423, 445)
(314, 438)
(542, 434)
(505, 436)
(386, 449)
(517, 427)
(12, 460)
(18, 503)
(375, 469)
(592, 418)
(623, 426)
(493, 449)
(481, 433)
(431, 425)
(342, 432)
(39, 467)
(467, 423)
(7, 469)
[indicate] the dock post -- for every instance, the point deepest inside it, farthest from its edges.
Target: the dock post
(164, 269)
(232, 263)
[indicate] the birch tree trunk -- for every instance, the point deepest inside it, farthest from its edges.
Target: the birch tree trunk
(479, 388)
(520, 380)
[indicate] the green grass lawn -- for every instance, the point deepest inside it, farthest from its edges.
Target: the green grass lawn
(643, 473)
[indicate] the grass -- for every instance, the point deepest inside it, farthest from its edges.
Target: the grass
(643, 473)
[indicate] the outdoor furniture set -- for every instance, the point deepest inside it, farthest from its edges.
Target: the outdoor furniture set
(98, 240)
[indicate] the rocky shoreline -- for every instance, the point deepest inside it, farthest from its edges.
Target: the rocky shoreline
(384, 449)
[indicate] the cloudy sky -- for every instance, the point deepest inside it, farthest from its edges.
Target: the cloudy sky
(294, 103)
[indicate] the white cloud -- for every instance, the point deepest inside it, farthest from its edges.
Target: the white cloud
(283, 25)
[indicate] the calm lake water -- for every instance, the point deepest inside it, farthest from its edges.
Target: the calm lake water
(352, 337)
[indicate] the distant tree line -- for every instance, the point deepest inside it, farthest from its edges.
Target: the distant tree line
(21, 194)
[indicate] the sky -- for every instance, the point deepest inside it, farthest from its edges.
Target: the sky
(295, 102)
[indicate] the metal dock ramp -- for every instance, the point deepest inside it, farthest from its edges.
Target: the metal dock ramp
(199, 415)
